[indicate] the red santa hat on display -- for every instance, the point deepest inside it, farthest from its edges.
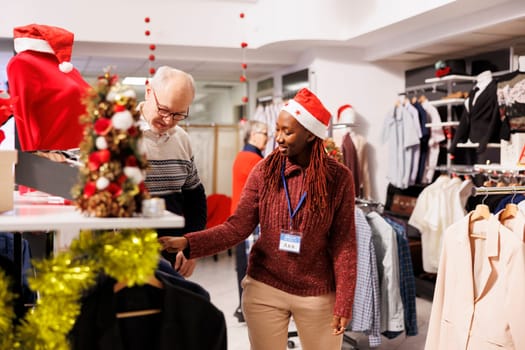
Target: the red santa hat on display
(48, 39)
(308, 110)
(346, 114)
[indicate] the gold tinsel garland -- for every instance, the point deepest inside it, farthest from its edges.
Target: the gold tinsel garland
(7, 313)
(127, 255)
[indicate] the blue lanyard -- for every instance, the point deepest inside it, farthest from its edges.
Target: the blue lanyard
(301, 201)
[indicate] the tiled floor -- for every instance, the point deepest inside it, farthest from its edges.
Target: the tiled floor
(219, 278)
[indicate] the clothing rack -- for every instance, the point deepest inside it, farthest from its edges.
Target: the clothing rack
(370, 204)
(456, 169)
(486, 191)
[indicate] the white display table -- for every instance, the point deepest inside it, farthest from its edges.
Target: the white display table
(66, 221)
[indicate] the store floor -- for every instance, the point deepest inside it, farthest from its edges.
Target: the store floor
(219, 278)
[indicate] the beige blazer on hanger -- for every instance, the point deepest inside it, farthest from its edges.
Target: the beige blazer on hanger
(482, 310)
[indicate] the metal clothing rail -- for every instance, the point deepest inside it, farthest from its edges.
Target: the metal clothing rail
(486, 191)
(369, 202)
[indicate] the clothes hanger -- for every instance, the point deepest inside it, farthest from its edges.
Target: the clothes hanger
(481, 212)
(511, 209)
(152, 281)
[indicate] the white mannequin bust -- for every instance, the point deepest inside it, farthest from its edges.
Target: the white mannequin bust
(521, 63)
(345, 115)
(344, 122)
(482, 81)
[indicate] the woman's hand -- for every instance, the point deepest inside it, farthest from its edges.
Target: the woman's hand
(339, 325)
(173, 244)
(184, 266)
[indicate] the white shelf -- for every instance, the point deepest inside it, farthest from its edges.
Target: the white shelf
(476, 145)
(450, 78)
(447, 102)
(442, 124)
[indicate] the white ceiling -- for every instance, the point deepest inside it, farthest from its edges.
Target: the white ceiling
(212, 64)
(224, 64)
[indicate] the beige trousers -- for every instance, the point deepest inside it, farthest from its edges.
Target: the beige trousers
(267, 311)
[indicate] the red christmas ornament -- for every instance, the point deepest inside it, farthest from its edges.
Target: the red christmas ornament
(244, 65)
(114, 189)
(241, 15)
(242, 79)
(152, 71)
(152, 57)
(147, 33)
(244, 44)
(102, 126)
(133, 131)
(245, 99)
(146, 19)
(119, 108)
(89, 189)
(152, 47)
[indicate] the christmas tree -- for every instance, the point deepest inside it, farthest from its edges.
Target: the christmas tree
(111, 180)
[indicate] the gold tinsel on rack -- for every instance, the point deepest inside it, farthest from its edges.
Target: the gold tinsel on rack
(126, 255)
(111, 181)
(7, 313)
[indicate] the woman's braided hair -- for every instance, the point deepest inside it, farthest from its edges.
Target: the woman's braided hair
(315, 175)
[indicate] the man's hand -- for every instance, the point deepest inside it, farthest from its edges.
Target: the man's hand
(184, 266)
(173, 244)
(338, 325)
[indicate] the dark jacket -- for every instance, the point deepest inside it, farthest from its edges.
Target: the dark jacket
(481, 123)
(187, 321)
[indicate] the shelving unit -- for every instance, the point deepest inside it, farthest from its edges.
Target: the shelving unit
(449, 81)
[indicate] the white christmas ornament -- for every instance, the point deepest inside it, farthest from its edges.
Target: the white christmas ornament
(122, 120)
(101, 142)
(102, 183)
(129, 93)
(134, 173)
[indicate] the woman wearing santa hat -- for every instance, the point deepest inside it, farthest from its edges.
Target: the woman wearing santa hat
(304, 263)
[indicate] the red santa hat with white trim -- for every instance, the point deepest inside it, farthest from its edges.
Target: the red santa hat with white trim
(308, 110)
(48, 39)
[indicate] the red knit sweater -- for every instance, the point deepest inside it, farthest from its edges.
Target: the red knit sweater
(243, 164)
(327, 261)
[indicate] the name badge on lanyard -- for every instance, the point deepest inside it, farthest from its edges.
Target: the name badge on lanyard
(290, 241)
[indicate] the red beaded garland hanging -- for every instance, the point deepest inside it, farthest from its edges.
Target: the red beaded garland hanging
(244, 66)
(152, 47)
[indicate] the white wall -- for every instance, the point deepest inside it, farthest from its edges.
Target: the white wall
(372, 91)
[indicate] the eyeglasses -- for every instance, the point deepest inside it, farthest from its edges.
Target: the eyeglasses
(164, 113)
(262, 133)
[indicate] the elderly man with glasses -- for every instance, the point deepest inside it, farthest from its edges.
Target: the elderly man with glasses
(172, 173)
